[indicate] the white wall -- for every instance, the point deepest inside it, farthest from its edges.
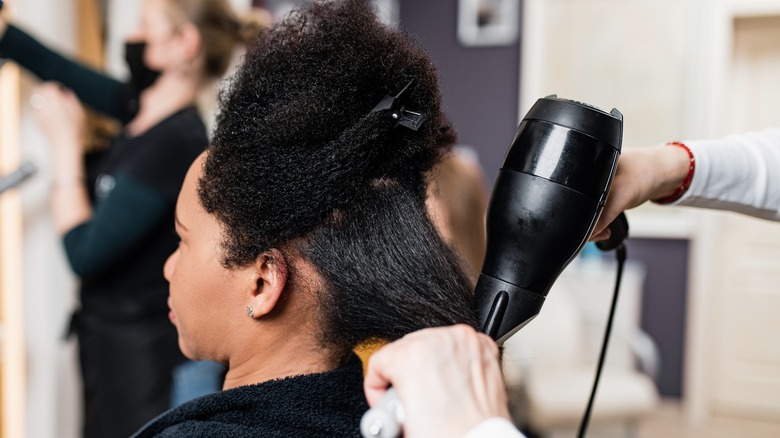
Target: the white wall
(53, 396)
(675, 70)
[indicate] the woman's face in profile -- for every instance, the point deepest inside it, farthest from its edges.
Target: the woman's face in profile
(204, 296)
(159, 33)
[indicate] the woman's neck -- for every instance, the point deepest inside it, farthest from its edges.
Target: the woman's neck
(169, 94)
(290, 357)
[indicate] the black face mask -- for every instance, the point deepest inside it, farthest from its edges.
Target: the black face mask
(140, 75)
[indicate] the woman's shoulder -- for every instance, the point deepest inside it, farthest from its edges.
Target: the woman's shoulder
(161, 157)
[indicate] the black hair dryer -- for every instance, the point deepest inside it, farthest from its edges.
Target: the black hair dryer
(545, 203)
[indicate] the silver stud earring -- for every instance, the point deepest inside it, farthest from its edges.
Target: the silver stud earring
(250, 312)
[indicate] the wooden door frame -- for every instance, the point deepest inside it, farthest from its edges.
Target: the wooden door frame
(12, 350)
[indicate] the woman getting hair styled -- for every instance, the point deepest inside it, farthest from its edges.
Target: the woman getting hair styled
(116, 216)
(304, 229)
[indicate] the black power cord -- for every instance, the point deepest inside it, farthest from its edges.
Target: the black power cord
(621, 258)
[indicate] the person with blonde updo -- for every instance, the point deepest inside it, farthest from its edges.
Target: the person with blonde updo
(116, 214)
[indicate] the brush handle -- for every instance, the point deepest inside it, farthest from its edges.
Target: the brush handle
(385, 420)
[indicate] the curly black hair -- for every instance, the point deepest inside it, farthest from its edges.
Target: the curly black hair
(299, 159)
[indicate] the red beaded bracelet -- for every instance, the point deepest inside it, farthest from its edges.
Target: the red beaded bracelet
(688, 178)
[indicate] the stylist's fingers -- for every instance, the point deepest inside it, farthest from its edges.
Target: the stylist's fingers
(48, 90)
(414, 360)
(601, 235)
(47, 101)
(73, 105)
(388, 366)
(69, 96)
(618, 201)
(50, 98)
(448, 379)
(631, 187)
(611, 211)
(56, 104)
(380, 373)
(488, 387)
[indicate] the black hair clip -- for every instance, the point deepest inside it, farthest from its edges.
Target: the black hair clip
(404, 117)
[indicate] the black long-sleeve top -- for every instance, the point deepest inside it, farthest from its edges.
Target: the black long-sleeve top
(100, 92)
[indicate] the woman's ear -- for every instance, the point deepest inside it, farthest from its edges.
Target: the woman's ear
(270, 272)
(191, 41)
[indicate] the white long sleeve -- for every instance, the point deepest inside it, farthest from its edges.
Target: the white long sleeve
(738, 173)
(494, 428)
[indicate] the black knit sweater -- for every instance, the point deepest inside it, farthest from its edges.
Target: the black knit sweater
(327, 404)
